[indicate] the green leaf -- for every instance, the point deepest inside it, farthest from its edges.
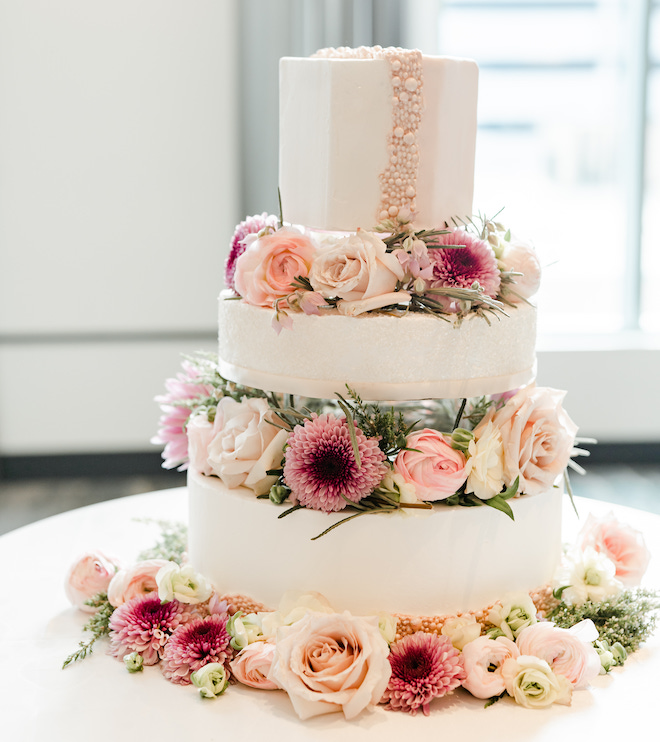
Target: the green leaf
(510, 491)
(499, 503)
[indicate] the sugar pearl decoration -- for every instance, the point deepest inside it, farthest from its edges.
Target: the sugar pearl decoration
(396, 201)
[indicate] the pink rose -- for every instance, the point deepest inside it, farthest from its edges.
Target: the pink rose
(88, 575)
(537, 435)
(331, 662)
(139, 579)
(434, 467)
(252, 665)
(266, 270)
(620, 543)
(482, 660)
(569, 652)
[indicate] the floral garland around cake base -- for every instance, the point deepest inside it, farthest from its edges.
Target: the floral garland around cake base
(536, 649)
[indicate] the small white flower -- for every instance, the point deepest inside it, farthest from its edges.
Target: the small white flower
(590, 575)
(485, 465)
(211, 680)
(182, 584)
(461, 630)
(387, 625)
(515, 613)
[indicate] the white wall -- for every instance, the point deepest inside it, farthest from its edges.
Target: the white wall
(118, 193)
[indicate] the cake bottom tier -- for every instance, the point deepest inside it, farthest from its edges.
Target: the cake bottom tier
(451, 560)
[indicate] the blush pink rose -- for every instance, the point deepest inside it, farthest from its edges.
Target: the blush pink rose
(252, 665)
(139, 579)
(620, 543)
(200, 434)
(482, 660)
(331, 662)
(520, 257)
(266, 270)
(538, 437)
(88, 575)
(569, 652)
(434, 467)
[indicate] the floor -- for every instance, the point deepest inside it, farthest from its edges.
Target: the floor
(23, 502)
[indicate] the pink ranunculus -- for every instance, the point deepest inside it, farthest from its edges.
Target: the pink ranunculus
(434, 467)
(331, 662)
(89, 575)
(538, 437)
(620, 543)
(570, 652)
(520, 257)
(483, 659)
(140, 579)
(266, 270)
(252, 665)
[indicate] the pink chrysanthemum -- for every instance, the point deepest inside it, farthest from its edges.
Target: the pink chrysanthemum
(251, 225)
(320, 466)
(194, 645)
(461, 267)
(424, 666)
(173, 421)
(144, 625)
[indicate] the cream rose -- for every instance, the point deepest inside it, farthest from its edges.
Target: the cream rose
(537, 435)
(182, 584)
(461, 630)
(252, 665)
(246, 444)
(532, 683)
(139, 579)
(482, 660)
(433, 467)
(331, 662)
(357, 269)
(569, 652)
(266, 270)
(620, 543)
(89, 575)
(294, 605)
(485, 465)
(200, 434)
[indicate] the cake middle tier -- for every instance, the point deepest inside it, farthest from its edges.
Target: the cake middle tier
(381, 357)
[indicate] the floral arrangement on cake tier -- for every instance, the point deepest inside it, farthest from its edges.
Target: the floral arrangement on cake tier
(348, 455)
(536, 649)
(470, 269)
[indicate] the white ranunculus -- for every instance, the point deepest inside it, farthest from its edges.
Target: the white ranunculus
(485, 466)
(514, 613)
(211, 679)
(182, 584)
(531, 682)
(357, 268)
(293, 606)
(590, 575)
(246, 444)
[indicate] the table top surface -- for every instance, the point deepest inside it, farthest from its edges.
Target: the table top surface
(98, 699)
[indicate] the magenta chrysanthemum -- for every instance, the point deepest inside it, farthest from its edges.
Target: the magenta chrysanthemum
(144, 625)
(424, 666)
(251, 225)
(173, 421)
(461, 267)
(321, 469)
(194, 645)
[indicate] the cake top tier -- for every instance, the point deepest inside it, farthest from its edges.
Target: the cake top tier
(372, 134)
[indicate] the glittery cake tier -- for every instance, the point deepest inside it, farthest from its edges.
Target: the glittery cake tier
(370, 134)
(382, 357)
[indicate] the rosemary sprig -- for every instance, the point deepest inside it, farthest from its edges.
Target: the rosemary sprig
(98, 625)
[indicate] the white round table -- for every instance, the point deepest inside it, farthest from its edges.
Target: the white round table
(97, 699)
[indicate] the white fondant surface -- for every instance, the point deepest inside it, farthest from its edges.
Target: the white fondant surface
(418, 356)
(334, 119)
(452, 559)
(97, 699)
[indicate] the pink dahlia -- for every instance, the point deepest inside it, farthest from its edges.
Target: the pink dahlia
(144, 625)
(424, 666)
(321, 468)
(460, 267)
(194, 645)
(251, 225)
(173, 421)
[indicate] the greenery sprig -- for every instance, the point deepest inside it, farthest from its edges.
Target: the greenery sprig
(98, 625)
(172, 543)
